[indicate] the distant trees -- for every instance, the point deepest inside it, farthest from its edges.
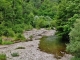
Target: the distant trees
(48, 8)
(17, 16)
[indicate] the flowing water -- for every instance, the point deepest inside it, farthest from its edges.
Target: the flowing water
(52, 45)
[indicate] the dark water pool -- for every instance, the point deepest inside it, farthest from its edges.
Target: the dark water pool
(52, 45)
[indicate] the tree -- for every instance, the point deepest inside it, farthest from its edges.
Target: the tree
(47, 8)
(68, 11)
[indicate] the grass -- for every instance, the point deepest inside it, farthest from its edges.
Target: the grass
(3, 57)
(14, 54)
(19, 38)
(7, 42)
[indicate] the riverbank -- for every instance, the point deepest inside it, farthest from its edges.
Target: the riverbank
(31, 50)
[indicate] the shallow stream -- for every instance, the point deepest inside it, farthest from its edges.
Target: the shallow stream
(52, 45)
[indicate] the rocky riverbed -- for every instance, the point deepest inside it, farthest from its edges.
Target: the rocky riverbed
(30, 50)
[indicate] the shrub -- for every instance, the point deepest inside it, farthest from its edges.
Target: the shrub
(74, 46)
(53, 23)
(20, 48)
(17, 29)
(42, 22)
(19, 37)
(3, 57)
(28, 27)
(0, 40)
(8, 32)
(7, 24)
(75, 58)
(1, 29)
(14, 54)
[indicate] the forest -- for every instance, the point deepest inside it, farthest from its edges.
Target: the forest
(18, 16)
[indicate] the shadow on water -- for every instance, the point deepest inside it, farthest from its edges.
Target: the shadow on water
(52, 45)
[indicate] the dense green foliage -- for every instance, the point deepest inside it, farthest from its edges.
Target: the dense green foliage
(75, 58)
(20, 15)
(68, 12)
(74, 45)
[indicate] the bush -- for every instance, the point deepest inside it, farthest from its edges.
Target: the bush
(7, 24)
(42, 22)
(75, 58)
(53, 23)
(19, 37)
(1, 30)
(28, 27)
(17, 29)
(0, 40)
(8, 32)
(3, 57)
(15, 54)
(74, 46)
